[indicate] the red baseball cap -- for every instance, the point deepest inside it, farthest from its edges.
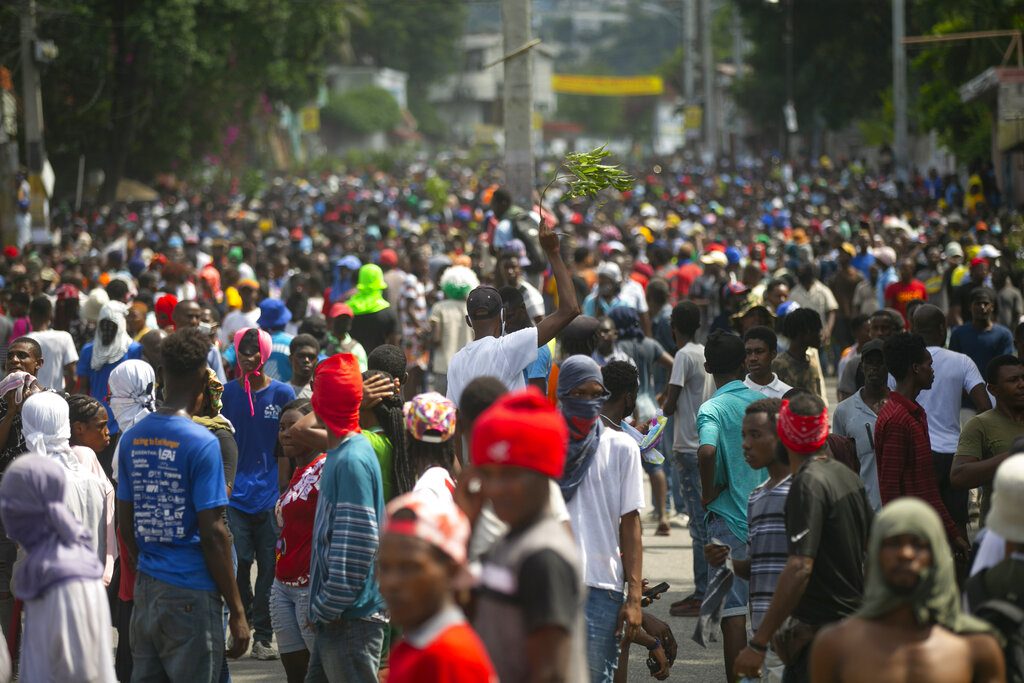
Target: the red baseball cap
(521, 429)
(388, 257)
(340, 308)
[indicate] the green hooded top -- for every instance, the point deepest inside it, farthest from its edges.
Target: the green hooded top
(935, 599)
(367, 298)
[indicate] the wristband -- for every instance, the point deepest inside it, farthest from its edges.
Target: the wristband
(657, 644)
(763, 649)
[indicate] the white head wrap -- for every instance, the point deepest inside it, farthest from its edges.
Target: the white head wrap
(132, 392)
(116, 312)
(46, 426)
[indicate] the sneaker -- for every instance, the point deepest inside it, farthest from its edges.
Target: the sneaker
(262, 649)
(687, 607)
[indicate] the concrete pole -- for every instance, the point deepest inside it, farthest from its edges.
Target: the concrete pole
(899, 89)
(518, 102)
(32, 97)
(708, 63)
(690, 51)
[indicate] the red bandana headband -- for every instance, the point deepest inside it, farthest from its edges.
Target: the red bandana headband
(802, 433)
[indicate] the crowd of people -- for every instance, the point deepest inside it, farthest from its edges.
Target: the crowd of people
(372, 428)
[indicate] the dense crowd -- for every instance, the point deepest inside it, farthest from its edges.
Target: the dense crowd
(425, 414)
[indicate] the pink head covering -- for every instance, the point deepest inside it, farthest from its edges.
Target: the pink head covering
(265, 344)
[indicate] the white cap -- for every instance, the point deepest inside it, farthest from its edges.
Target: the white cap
(989, 251)
(610, 270)
(1006, 516)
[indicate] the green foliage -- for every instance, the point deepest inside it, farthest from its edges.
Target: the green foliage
(590, 176)
(436, 190)
(363, 110)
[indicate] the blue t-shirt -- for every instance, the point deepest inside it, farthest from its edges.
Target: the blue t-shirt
(98, 379)
(540, 368)
(255, 487)
(170, 469)
(279, 365)
(982, 347)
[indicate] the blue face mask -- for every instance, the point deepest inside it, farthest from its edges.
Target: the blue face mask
(581, 414)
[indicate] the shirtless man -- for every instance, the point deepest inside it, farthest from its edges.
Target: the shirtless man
(910, 627)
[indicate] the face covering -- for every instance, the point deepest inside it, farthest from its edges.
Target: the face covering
(581, 415)
(265, 347)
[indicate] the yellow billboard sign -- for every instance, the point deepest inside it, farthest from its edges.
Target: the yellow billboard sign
(309, 119)
(607, 86)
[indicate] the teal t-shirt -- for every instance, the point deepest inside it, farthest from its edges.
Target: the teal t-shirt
(720, 424)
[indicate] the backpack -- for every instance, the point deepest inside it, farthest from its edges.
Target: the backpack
(1006, 615)
(525, 229)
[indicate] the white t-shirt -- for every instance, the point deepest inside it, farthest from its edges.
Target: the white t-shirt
(954, 373)
(774, 389)
(633, 294)
(438, 482)
(688, 372)
(612, 487)
(503, 357)
(58, 350)
(235, 321)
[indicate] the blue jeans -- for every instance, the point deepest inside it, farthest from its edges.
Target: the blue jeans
(255, 538)
(738, 597)
(602, 614)
(346, 651)
(689, 479)
(177, 633)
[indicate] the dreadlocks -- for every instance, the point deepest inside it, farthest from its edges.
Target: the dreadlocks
(391, 420)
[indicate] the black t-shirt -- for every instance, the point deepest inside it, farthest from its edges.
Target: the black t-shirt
(373, 329)
(828, 518)
(548, 591)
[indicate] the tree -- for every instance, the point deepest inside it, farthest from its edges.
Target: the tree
(363, 110)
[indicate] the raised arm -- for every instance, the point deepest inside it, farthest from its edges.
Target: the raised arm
(568, 306)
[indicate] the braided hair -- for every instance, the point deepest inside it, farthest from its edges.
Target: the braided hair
(391, 420)
(83, 408)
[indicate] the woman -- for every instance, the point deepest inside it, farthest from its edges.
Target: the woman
(383, 424)
(294, 512)
(88, 423)
(429, 464)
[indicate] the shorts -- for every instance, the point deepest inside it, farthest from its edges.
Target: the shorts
(739, 595)
(289, 613)
(652, 469)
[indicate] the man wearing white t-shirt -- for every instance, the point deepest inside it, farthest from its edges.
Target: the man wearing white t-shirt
(505, 356)
(59, 353)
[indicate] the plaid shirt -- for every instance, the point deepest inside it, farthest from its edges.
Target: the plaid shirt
(903, 454)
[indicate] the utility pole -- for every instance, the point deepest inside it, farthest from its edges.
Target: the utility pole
(899, 89)
(8, 160)
(518, 101)
(32, 97)
(689, 51)
(710, 110)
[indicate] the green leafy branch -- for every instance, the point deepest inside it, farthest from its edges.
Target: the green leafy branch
(587, 175)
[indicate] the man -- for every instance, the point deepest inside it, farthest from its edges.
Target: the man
(171, 495)
(811, 293)
(955, 375)
(518, 318)
(827, 522)
(514, 222)
(776, 293)
(606, 349)
(844, 285)
(394, 276)
(303, 353)
(911, 613)
(761, 347)
(981, 338)
(375, 321)
(110, 347)
(274, 317)
(902, 447)
(794, 367)
(688, 385)
(340, 341)
(882, 324)
(253, 403)
(603, 491)
(908, 288)
(412, 315)
(856, 416)
(977, 276)
(987, 438)
(606, 294)
(59, 354)
(345, 603)
(506, 356)
(529, 606)
(726, 478)
(189, 314)
(138, 312)
(448, 329)
(246, 316)
(511, 263)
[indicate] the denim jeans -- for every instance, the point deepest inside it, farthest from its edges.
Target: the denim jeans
(736, 602)
(602, 614)
(289, 612)
(689, 479)
(346, 651)
(675, 490)
(177, 634)
(255, 538)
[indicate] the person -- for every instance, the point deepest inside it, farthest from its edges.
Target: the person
(88, 420)
(342, 287)
(987, 439)
(606, 293)
(1010, 304)
(644, 353)
(856, 416)
(178, 544)
(726, 478)
(761, 347)
(827, 523)
(422, 562)
(345, 605)
(448, 329)
(67, 633)
(303, 352)
(506, 356)
(908, 288)
(802, 327)
(955, 374)
(902, 447)
(511, 262)
(532, 625)
(910, 627)
(882, 324)
(606, 350)
(58, 348)
(374, 320)
(274, 317)
(294, 513)
(253, 404)
(110, 347)
(136, 320)
(812, 294)
(981, 338)
(207, 412)
(189, 313)
(428, 464)
(516, 318)
(766, 517)
(246, 316)
(688, 386)
(603, 491)
(132, 395)
(382, 421)
(340, 341)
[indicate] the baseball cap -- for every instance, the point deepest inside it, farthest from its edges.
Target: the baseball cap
(248, 282)
(430, 417)
(983, 293)
(483, 302)
(388, 257)
(724, 352)
(516, 249)
(989, 251)
(715, 258)
(610, 270)
(436, 520)
(521, 429)
(340, 308)
(954, 249)
(871, 347)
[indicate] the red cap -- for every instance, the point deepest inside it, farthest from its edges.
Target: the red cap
(388, 257)
(11, 251)
(978, 260)
(337, 393)
(521, 429)
(297, 234)
(340, 308)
